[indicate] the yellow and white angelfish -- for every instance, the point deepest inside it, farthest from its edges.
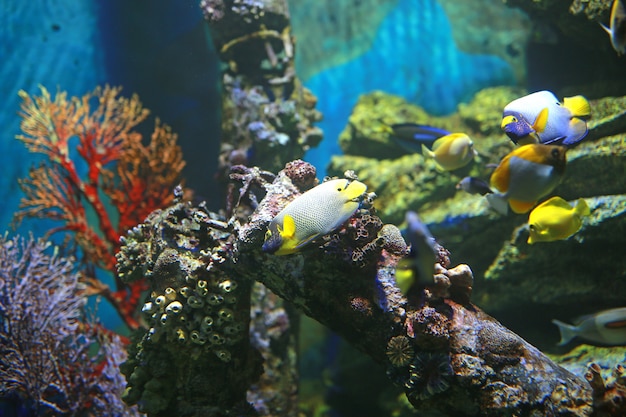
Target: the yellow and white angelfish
(556, 219)
(317, 212)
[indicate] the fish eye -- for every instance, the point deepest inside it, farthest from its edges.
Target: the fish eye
(268, 234)
(514, 119)
(532, 227)
(558, 103)
(555, 152)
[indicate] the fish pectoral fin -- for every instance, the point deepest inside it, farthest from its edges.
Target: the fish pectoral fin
(289, 227)
(541, 121)
(578, 106)
(521, 206)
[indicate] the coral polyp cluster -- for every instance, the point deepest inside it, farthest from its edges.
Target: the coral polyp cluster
(198, 315)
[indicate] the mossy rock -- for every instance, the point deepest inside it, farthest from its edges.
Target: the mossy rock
(368, 132)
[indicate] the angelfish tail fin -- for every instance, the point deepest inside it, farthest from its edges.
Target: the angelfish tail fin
(568, 332)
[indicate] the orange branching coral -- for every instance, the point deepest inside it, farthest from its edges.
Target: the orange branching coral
(124, 178)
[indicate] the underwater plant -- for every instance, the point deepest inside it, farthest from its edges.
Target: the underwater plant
(97, 166)
(46, 367)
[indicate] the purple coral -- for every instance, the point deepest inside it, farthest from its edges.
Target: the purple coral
(45, 367)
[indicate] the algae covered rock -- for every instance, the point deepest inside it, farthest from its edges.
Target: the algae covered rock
(403, 180)
(562, 276)
(368, 132)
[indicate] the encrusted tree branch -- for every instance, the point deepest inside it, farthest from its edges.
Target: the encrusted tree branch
(449, 356)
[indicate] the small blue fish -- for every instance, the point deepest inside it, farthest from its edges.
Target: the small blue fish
(607, 327)
(420, 263)
(473, 185)
(411, 136)
(541, 118)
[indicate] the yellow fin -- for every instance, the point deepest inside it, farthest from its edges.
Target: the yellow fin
(578, 105)
(289, 227)
(582, 209)
(541, 121)
(521, 206)
(556, 201)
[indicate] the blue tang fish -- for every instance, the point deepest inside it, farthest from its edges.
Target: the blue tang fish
(541, 118)
(411, 136)
(317, 212)
(607, 327)
(525, 175)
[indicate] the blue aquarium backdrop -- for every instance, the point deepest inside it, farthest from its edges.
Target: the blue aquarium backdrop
(313, 208)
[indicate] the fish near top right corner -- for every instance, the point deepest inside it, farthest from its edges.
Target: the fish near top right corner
(540, 117)
(617, 27)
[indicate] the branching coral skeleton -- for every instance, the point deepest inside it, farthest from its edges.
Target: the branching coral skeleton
(124, 178)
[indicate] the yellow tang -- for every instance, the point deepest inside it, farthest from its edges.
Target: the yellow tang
(556, 219)
(317, 212)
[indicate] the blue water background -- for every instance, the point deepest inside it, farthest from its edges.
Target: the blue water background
(161, 50)
(413, 56)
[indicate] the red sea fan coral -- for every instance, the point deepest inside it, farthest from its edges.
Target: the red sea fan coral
(123, 179)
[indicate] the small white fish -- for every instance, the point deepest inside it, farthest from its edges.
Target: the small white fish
(617, 27)
(607, 327)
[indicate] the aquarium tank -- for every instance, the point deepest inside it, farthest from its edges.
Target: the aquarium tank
(313, 208)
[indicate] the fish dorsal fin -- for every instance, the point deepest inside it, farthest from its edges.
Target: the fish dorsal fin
(556, 201)
(289, 227)
(521, 206)
(578, 106)
(541, 121)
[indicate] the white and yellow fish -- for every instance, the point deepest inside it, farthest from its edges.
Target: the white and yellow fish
(606, 327)
(617, 27)
(525, 175)
(555, 219)
(317, 212)
(451, 152)
(541, 118)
